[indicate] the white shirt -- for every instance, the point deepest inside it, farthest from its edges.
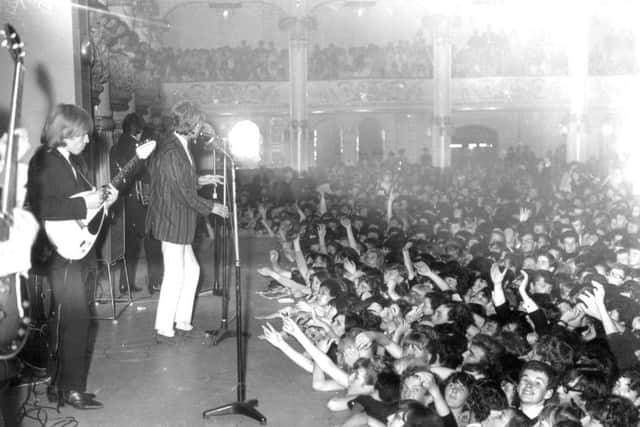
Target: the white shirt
(185, 145)
(66, 155)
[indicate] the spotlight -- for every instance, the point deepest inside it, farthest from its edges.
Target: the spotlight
(226, 13)
(244, 142)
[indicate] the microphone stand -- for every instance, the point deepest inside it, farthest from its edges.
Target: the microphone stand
(241, 406)
(220, 261)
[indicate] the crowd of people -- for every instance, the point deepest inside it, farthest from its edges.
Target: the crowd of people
(491, 54)
(263, 62)
(487, 54)
(498, 296)
(400, 59)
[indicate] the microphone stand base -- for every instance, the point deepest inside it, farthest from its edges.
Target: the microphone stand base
(217, 335)
(240, 408)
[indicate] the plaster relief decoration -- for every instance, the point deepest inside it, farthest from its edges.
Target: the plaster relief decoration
(122, 55)
(358, 92)
(214, 94)
(512, 91)
(99, 34)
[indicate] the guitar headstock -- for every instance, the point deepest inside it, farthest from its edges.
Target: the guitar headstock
(144, 150)
(11, 40)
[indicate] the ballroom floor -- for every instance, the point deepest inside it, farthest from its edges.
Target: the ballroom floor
(142, 383)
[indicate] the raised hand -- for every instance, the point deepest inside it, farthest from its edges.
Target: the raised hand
(290, 326)
(322, 230)
(262, 212)
(210, 179)
(220, 210)
(497, 276)
(428, 381)
(345, 222)
(274, 255)
(415, 313)
(422, 268)
(573, 316)
(350, 267)
(525, 280)
(265, 271)
(271, 335)
(598, 291)
(525, 214)
(590, 303)
(364, 341)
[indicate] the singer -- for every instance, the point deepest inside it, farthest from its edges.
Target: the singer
(173, 209)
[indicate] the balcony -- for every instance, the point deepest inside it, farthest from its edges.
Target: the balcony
(384, 95)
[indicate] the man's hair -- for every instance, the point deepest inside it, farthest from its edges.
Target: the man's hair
(449, 346)
(555, 352)
(371, 377)
(613, 411)
(460, 378)
(132, 124)
(545, 368)
(388, 386)
(593, 383)
(419, 415)
(492, 347)
(65, 121)
(185, 116)
(485, 396)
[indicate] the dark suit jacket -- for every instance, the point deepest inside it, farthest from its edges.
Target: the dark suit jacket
(51, 182)
(174, 203)
(135, 211)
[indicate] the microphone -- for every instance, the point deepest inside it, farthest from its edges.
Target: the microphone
(207, 131)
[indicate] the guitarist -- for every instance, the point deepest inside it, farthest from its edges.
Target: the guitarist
(135, 207)
(174, 206)
(54, 175)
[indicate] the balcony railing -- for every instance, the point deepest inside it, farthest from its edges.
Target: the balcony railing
(491, 93)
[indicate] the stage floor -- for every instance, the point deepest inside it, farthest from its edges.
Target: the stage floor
(142, 383)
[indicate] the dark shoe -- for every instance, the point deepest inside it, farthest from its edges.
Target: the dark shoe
(53, 394)
(81, 400)
(163, 339)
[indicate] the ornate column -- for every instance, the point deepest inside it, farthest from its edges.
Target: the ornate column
(298, 25)
(99, 31)
(441, 124)
(578, 60)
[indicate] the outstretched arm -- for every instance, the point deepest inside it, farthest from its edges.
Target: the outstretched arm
(319, 357)
(273, 337)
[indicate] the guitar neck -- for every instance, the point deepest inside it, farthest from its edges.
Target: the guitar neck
(9, 183)
(126, 173)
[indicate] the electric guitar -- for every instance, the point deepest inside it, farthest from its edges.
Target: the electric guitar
(14, 310)
(74, 238)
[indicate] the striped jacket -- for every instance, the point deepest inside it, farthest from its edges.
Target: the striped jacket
(174, 203)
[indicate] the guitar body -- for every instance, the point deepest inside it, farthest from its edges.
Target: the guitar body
(14, 315)
(74, 239)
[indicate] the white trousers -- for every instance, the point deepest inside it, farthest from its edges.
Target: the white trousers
(179, 285)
